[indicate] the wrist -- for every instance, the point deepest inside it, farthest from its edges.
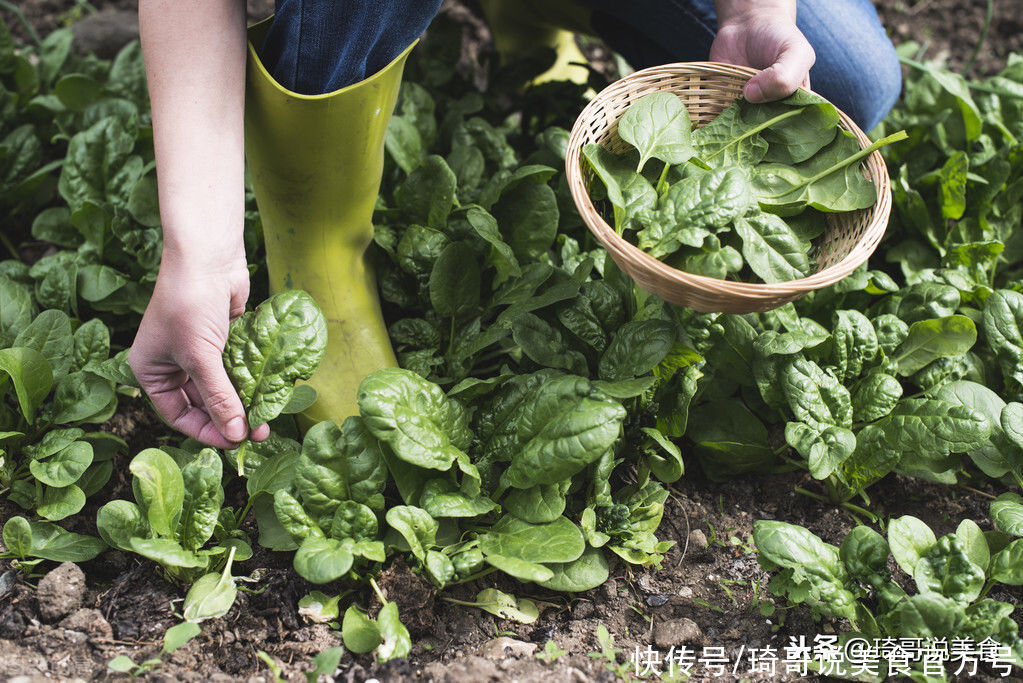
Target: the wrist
(198, 259)
(214, 241)
(730, 12)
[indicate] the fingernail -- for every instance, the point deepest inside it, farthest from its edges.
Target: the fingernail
(753, 92)
(236, 429)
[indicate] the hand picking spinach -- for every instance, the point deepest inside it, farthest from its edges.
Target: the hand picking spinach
(718, 205)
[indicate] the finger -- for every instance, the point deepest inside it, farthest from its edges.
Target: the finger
(260, 433)
(192, 392)
(174, 406)
(239, 296)
(781, 79)
(218, 395)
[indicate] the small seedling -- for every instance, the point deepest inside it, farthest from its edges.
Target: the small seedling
(551, 652)
(123, 664)
(273, 666)
(609, 653)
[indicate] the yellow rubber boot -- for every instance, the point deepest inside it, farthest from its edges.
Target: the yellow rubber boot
(519, 26)
(316, 162)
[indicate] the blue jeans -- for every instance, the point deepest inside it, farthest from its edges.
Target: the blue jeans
(317, 46)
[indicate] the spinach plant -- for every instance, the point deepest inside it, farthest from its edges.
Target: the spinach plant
(29, 543)
(177, 519)
(55, 381)
(385, 636)
(269, 349)
(953, 576)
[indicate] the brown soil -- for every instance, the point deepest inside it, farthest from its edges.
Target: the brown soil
(710, 577)
(951, 29)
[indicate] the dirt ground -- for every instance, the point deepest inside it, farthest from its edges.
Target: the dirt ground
(708, 592)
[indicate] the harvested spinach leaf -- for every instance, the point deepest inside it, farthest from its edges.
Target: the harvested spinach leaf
(716, 209)
(271, 348)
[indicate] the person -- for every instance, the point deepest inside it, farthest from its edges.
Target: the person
(196, 52)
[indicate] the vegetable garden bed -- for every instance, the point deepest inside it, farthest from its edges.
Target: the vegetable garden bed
(891, 396)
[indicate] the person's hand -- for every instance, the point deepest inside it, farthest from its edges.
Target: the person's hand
(765, 37)
(177, 354)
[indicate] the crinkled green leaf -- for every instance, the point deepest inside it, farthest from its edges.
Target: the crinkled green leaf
(413, 416)
(271, 348)
(64, 467)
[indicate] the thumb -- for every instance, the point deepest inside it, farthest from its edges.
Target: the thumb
(781, 79)
(219, 396)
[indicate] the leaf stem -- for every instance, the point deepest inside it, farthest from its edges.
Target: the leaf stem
(780, 450)
(19, 15)
(451, 337)
(473, 577)
(490, 369)
(756, 129)
(241, 517)
(989, 15)
(226, 576)
(994, 90)
(464, 603)
(662, 180)
(241, 458)
(6, 241)
(810, 494)
(977, 492)
(848, 161)
(491, 356)
(852, 507)
(376, 589)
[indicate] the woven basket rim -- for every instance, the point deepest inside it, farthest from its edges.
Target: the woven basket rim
(623, 250)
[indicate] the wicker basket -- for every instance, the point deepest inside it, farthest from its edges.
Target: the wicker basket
(706, 88)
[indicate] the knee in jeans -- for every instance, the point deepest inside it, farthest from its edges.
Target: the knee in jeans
(870, 88)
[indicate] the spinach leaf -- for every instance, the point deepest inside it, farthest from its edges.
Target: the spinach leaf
(588, 571)
(339, 464)
(557, 541)
(1003, 320)
(159, 489)
(629, 192)
(929, 340)
(729, 141)
(413, 416)
(1007, 513)
(934, 428)
(555, 433)
(829, 181)
(794, 138)
(910, 541)
(203, 499)
(269, 349)
(30, 376)
(815, 396)
(771, 248)
(322, 560)
(636, 348)
(875, 396)
(658, 126)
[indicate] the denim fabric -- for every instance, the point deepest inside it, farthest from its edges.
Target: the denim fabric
(317, 46)
(856, 66)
